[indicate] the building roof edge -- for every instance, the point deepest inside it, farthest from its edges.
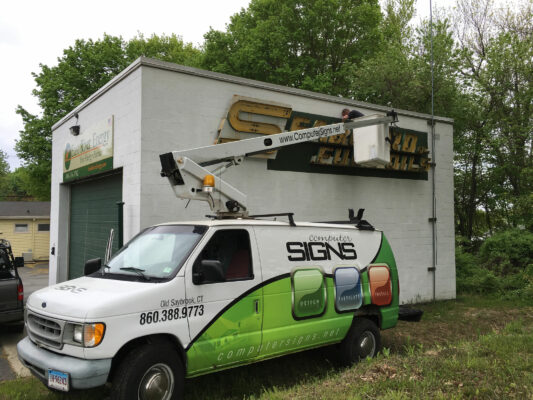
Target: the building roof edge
(164, 65)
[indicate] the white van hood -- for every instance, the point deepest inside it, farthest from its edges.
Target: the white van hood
(91, 298)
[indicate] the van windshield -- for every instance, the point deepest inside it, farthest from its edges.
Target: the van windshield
(158, 252)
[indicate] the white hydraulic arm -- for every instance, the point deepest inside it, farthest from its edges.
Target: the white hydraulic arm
(189, 177)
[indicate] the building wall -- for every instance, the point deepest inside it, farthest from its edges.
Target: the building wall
(32, 241)
(123, 101)
(158, 110)
(181, 111)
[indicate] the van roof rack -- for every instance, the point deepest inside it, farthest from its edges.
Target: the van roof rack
(356, 220)
(289, 215)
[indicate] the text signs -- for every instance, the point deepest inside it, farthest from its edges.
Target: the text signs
(90, 152)
(248, 118)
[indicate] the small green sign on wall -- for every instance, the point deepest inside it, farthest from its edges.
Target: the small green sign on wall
(90, 152)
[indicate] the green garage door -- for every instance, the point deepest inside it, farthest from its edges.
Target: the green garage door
(93, 212)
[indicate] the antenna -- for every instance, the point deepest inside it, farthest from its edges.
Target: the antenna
(433, 197)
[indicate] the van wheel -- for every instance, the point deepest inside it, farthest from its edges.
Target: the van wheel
(363, 340)
(149, 372)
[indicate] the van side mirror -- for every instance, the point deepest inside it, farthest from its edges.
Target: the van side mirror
(19, 262)
(92, 266)
(209, 271)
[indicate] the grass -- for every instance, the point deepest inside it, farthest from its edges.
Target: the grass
(472, 347)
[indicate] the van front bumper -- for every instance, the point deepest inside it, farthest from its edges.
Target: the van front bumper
(84, 374)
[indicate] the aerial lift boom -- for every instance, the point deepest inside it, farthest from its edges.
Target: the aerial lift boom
(189, 177)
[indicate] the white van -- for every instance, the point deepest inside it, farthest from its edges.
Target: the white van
(185, 299)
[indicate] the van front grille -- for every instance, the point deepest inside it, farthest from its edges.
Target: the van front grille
(45, 330)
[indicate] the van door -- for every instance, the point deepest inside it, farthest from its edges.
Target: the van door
(223, 279)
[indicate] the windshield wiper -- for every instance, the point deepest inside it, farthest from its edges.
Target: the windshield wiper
(139, 271)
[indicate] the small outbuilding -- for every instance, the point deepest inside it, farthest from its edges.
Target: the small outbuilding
(26, 224)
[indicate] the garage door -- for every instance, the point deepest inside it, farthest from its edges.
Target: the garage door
(93, 212)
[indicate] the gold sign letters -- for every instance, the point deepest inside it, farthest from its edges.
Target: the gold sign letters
(250, 117)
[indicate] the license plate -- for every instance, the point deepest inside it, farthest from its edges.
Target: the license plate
(58, 380)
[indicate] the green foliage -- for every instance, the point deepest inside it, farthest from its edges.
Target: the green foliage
(16, 186)
(166, 48)
(496, 61)
(4, 165)
(400, 73)
(480, 281)
(502, 266)
(508, 252)
(310, 44)
(34, 147)
(12, 184)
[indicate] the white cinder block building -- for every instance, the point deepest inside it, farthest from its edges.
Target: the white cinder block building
(155, 107)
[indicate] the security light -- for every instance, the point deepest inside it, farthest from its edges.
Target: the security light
(74, 130)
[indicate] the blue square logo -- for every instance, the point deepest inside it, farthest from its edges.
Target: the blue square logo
(348, 289)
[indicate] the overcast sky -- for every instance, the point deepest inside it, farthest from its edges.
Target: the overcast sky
(37, 31)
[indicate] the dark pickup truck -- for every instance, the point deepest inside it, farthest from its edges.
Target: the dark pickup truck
(11, 288)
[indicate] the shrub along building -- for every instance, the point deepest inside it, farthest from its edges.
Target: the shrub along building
(106, 168)
(26, 224)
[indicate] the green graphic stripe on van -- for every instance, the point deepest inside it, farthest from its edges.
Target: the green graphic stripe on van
(230, 305)
(229, 341)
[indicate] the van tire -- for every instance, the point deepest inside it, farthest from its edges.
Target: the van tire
(362, 340)
(151, 363)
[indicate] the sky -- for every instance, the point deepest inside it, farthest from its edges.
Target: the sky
(34, 32)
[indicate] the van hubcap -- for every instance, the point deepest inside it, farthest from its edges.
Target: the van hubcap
(367, 345)
(157, 383)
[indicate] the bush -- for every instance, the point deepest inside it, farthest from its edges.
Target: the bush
(480, 281)
(465, 262)
(508, 252)
(524, 285)
(504, 265)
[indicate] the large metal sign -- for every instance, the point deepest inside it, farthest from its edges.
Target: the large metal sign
(247, 118)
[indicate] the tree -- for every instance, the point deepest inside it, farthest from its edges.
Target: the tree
(399, 74)
(4, 165)
(166, 48)
(11, 183)
(497, 69)
(13, 186)
(82, 70)
(309, 44)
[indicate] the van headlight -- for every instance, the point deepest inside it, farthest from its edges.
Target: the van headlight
(86, 335)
